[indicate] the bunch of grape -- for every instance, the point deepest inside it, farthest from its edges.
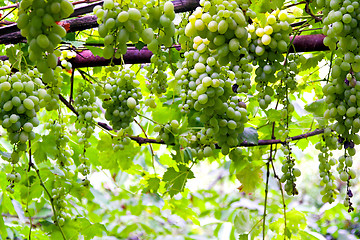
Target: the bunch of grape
(268, 44)
(59, 194)
(160, 20)
(37, 22)
(212, 96)
(120, 143)
(13, 177)
(19, 101)
(346, 174)
(120, 24)
(200, 143)
(342, 93)
(85, 104)
(120, 98)
(219, 26)
(217, 30)
(167, 131)
(53, 84)
(290, 173)
(63, 152)
(326, 160)
(156, 73)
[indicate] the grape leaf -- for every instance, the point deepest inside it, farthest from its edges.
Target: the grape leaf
(250, 135)
(47, 147)
(317, 108)
(175, 181)
(139, 45)
(75, 43)
(243, 236)
(263, 6)
(113, 160)
(153, 185)
(249, 177)
(95, 51)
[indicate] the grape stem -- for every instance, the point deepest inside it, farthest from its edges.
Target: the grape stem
(151, 148)
(266, 191)
(28, 193)
(7, 14)
(71, 85)
(9, 6)
(308, 11)
(51, 199)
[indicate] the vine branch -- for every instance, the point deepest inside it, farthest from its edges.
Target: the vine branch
(141, 140)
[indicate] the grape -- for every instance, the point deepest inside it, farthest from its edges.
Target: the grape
(131, 102)
(168, 8)
(147, 35)
(28, 104)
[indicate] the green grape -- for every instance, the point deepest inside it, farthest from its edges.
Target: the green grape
(131, 102)
(28, 104)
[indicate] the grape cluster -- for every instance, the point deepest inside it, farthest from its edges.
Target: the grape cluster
(216, 61)
(59, 193)
(200, 143)
(20, 97)
(120, 142)
(346, 174)
(290, 173)
(167, 131)
(268, 44)
(85, 104)
(326, 161)
(37, 22)
(120, 24)
(160, 20)
(63, 152)
(342, 93)
(156, 73)
(120, 98)
(50, 98)
(13, 177)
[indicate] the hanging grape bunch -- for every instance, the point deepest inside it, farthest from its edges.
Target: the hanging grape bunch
(217, 30)
(20, 96)
(37, 22)
(120, 98)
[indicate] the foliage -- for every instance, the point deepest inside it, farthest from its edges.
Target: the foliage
(155, 122)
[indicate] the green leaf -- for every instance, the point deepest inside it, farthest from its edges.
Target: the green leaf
(76, 44)
(263, 6)
(113, 160)
(2, 223)
(244, 237)
(274, 115)
(250, 135)
(250, 177)
(96, 51)
(175, 181)
(128, 229)
(47, 147)
(243, 223)
(317, 108)
(153, 185)
(139, 45)
(14, 56)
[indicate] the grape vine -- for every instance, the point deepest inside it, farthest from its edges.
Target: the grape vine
(208, 80)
